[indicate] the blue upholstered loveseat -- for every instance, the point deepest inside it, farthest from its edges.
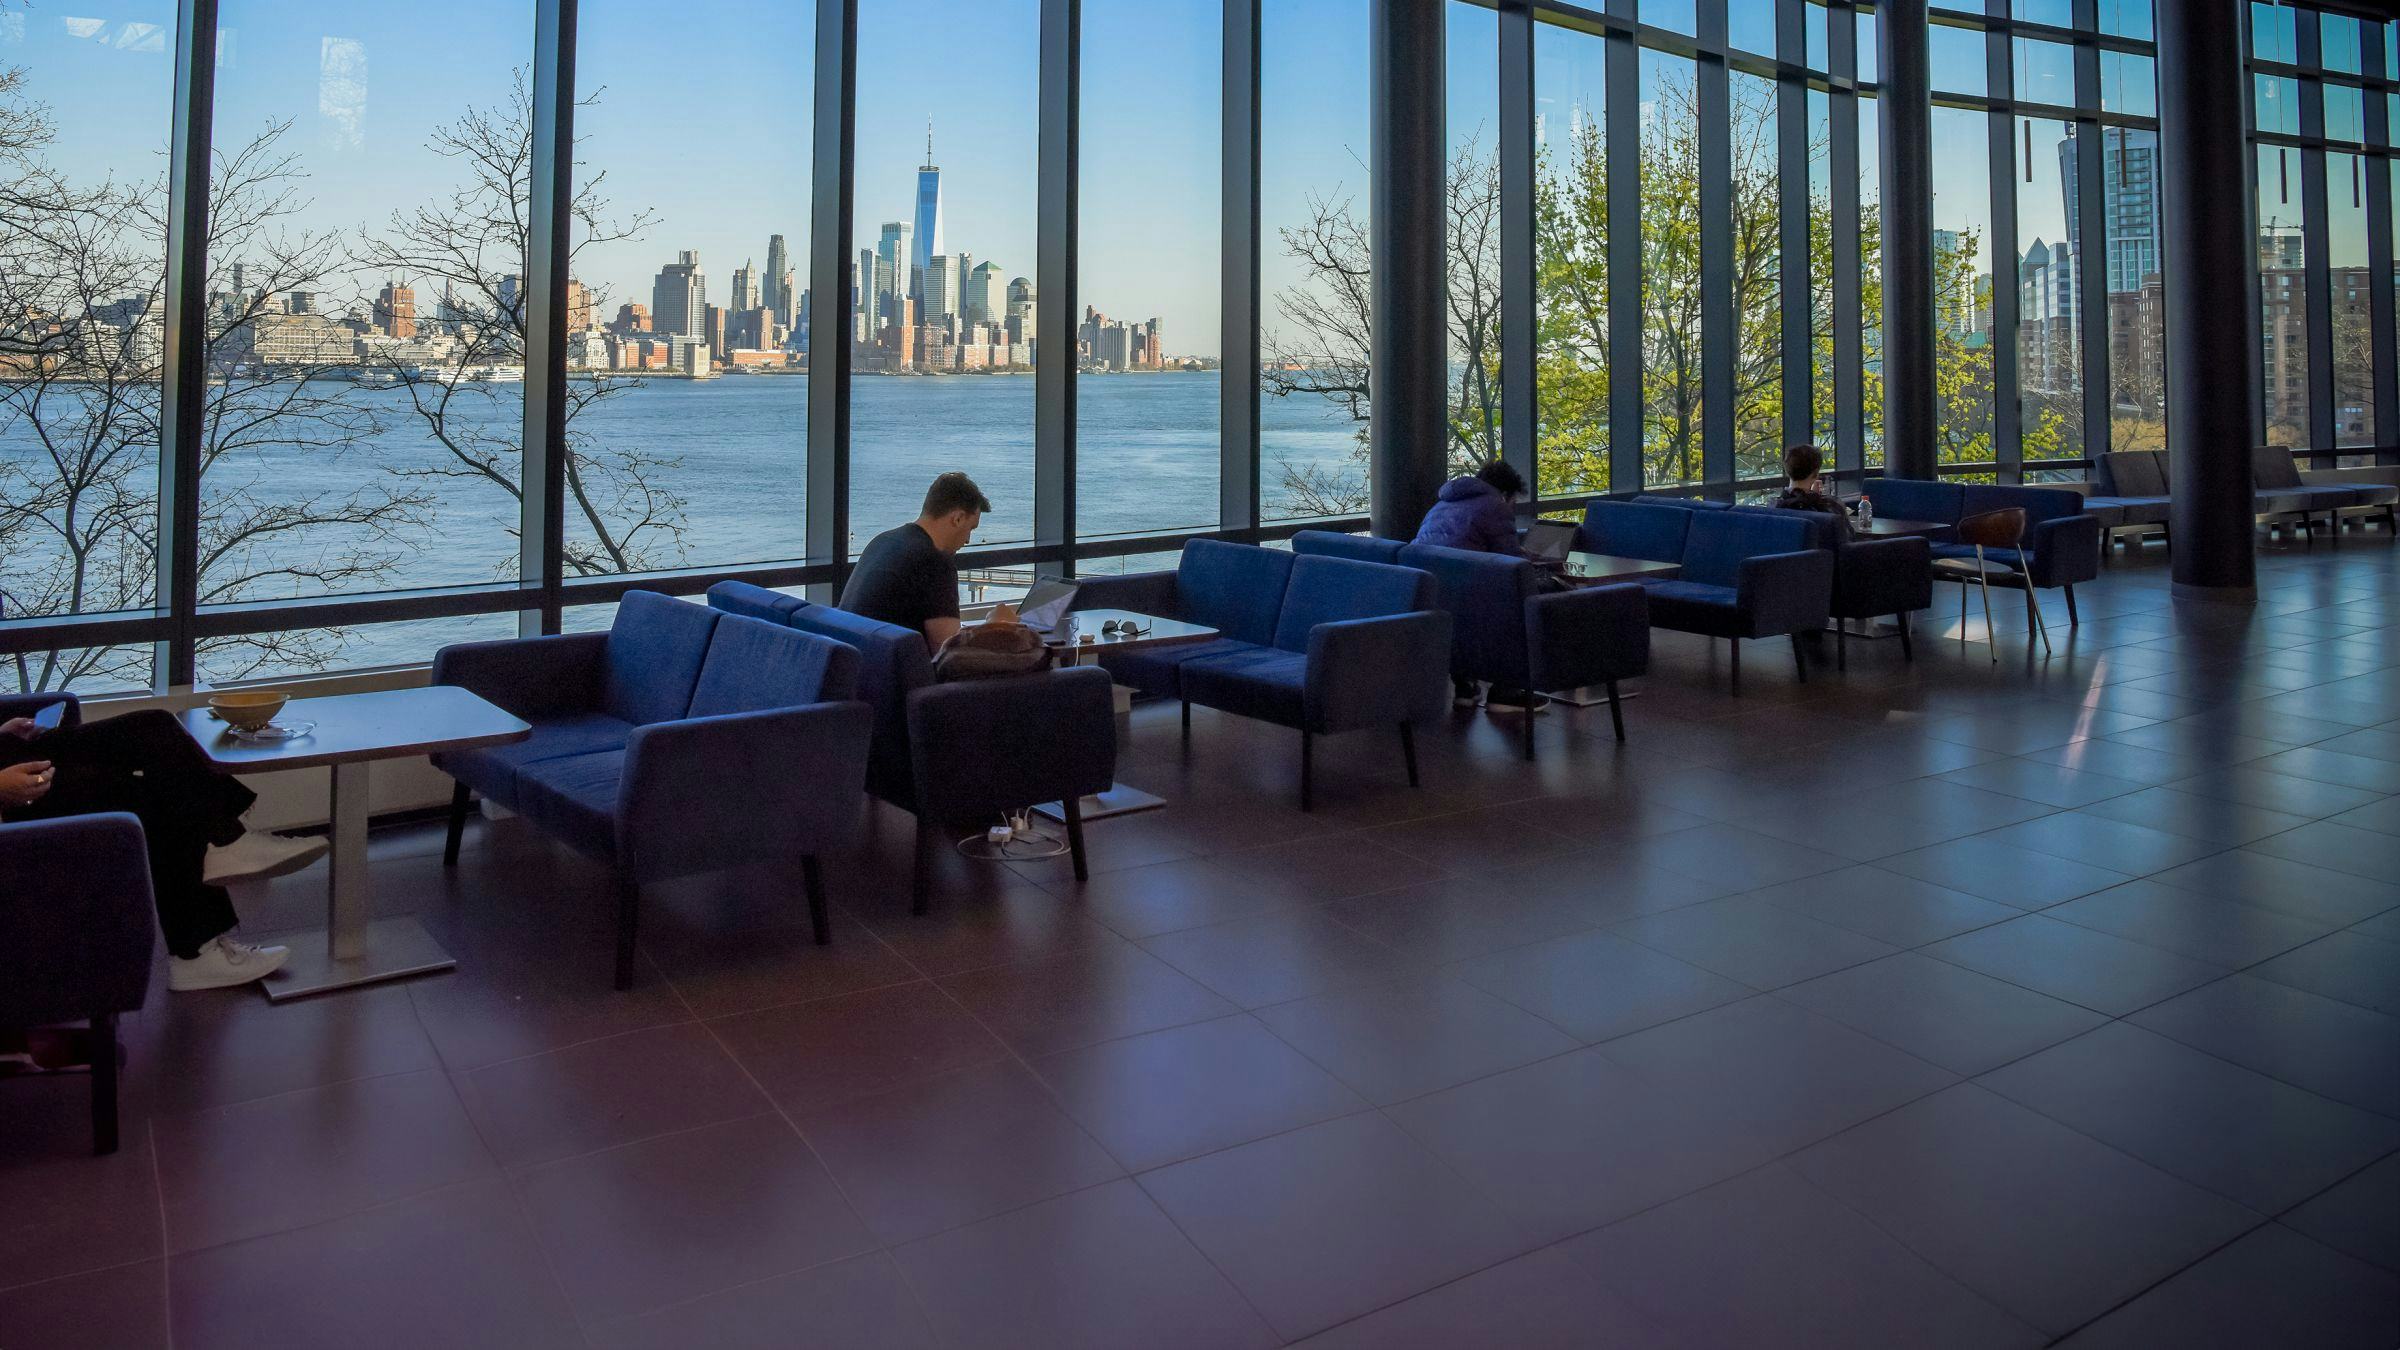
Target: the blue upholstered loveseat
(680, 741)
(1506, 627)
(1319, 643)
(1745, 574)
(76, 926)
(963, 752)
(2062, 538)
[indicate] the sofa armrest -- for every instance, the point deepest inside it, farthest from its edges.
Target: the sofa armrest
(1874, 577)
(1151, 593)
(1369, 672)
(709, 792)
(2064, 551)
(1785, 592)
(26, 705)
(1589, 636)
(76, 918)
(981, 747)
(528, 677)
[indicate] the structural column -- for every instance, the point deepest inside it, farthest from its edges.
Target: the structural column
(1408, 374)
(1908, 298)
(2204, 229)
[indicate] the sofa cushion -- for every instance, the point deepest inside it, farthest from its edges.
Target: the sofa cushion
(1236, 589)
(1329, 590)
(1155, 670)
(2272, 469)
(655, 648)
(753, 666)
(2039, 503)
(1693, 607)
(1917, 499)
(1265, 682)
(1719, 540)
(2007, 557)
(1364, 548)
(1635, 529)
(757, 602)
(1485, 594)
(575, 799)
(492, 770)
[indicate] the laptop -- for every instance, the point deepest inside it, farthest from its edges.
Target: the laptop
(1549, 541)
(1046, 604)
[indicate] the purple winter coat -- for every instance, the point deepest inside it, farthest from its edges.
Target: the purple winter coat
(1471, 514)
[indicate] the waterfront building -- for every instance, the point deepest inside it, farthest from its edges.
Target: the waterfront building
(679, 297)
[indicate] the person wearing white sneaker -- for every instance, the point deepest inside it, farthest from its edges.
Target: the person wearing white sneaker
(145, 763)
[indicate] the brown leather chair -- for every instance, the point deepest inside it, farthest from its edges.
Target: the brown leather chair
(2002, 529)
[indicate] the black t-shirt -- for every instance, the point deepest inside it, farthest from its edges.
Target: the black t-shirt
(903, 578)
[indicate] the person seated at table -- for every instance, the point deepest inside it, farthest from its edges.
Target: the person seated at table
(147, 764)
(1804, 465)
(1477, 513)
(908, 575)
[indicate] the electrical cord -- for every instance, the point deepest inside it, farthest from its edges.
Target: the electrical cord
(1014, 839)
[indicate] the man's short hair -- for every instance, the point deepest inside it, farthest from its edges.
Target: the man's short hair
(1503, 478)
(1802, 461)
(954, 491)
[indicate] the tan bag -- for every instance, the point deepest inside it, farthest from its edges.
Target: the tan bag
(990, 650)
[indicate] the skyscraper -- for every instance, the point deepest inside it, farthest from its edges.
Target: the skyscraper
(929, 214)
(778, 293)
(679, 297)
(940, 285)
(745, 287)
(2129, 208)
(987, 294)
(894, 264)
(396, 310)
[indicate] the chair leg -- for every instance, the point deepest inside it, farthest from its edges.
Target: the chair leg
(1187, 729)
(1530, 696)
(1308, 756)
(1072, 808)
(2072, 620)
(1841, 645)
(104, 1085)
(812, 880)
(1408, 744)
(2033, 613)
(920, 882)
(1616, 711)
(459, 800)
(1990, 635)
(1799, 659)
(1737, 666)
(629, 915)
(1908, 650)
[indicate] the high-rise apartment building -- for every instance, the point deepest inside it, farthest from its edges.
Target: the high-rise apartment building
(929, 212)
(679, 297)
(2129, 206)
(396, 310)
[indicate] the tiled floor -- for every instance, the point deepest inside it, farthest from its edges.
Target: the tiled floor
(1960, 1003)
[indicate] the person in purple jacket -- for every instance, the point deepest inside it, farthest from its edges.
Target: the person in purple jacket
(1477, 513)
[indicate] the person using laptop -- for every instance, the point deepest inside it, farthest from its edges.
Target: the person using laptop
(1477, 513)
(908, 575)
(146, 763)
(1805, 466)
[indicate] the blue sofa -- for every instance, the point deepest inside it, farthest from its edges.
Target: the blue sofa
(1507, 628)
(680, 741)
(965, 752)
(1746, 574)
(1872, 578)
(1318, 643)
(2062, 538)
(76, 926)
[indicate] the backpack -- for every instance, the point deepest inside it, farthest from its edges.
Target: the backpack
(991, 650)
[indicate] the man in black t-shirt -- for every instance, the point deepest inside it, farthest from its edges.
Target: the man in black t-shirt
(906, 575)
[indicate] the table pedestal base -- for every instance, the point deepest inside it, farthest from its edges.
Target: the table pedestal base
(1120, 800)
(1591, 696)
(393, 949)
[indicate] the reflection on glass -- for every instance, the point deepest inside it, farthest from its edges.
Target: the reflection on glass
(2353, 325)
(1672, 334)
(1571, 260)
(1962, 287)
(2283, 295)
(2050, 256)
(83, 129)
(1313, 275)
(1757, 280)
(2275, 104)
(2137, 373)
(1146, 389)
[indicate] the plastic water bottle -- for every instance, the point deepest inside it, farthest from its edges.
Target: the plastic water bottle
(1866, 510)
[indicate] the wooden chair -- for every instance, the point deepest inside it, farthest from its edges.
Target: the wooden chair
(2002, 529)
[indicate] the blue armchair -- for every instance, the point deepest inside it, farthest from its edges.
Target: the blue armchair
(1871, 577)
(969, 751)
(680, 741)
(1507, 628)
(1236, 589)
(1746, 575)
(76, 932)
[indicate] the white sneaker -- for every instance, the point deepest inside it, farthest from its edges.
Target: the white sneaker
(258, 856)
(225, 962)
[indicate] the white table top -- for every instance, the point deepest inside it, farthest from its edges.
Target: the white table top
(386, 724)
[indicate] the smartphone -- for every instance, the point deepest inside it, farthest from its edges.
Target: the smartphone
(48, 717)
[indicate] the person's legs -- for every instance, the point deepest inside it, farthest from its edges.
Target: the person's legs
(153, 746)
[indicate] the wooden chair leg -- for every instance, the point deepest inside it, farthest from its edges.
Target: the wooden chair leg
(920, 883)
(104, 1084)
(1799, 659)
(1408, 741)
(460, 798)
(1072, 808)
(629, 917)
(812, 880)
(1308, 755)
(1616, 711)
